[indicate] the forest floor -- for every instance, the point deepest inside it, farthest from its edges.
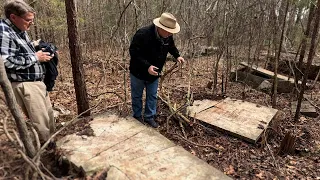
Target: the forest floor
(235, 157)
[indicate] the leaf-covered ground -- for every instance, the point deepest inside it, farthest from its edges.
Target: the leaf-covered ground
(235, 157)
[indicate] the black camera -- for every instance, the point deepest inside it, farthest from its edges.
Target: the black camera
(50, 49)
(158, 71)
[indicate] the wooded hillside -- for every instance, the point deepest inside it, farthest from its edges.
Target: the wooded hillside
(216, 36)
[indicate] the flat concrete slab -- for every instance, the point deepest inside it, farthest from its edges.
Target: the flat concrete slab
(240, 118)
(130, 150)
(306, 109)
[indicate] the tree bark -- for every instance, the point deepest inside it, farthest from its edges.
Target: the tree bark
(304, 42)
(275, 79)
(312, 50)
(76, 59)
(287, 145)
(16, 112)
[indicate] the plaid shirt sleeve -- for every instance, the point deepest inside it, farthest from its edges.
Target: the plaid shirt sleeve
(17, 53)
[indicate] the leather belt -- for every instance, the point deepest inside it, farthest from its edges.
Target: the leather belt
(28, 80)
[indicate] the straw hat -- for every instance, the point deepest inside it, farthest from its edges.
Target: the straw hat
(167, 22)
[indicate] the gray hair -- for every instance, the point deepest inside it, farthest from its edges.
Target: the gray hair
(17, 7)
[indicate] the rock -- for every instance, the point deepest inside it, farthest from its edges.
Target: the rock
(59, 110)
(55, 113)
(209, 50)
(265, 86)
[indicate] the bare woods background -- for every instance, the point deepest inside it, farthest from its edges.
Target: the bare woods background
(108, 26)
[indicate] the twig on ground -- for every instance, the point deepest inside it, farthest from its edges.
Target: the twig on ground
(271, 153)
(5, 128)
(182, 129)
(210, 130)
(107, 92)
(176, 113)
(4, 173)
(173, 114)
(33, 165)
(195, 144)
(36, 136)
(24, 156)
(19, 140)
(47, 170)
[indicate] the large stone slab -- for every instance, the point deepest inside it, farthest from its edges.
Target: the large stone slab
(130, 150)
(240, 118)
(306, 109)
(314, 96)
(250, 79)
(268, 73)
(261, 79)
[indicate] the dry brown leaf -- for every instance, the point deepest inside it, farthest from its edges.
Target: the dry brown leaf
(230, 170)
(293, 162)
(260, 175)
(193, 152)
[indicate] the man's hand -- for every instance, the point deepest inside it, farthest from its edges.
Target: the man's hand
(181, 60)
(152, 71)
(43, 56)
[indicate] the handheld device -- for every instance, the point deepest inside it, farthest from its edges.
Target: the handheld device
(158, 71)
(50, 49)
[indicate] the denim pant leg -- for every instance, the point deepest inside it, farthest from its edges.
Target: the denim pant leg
(151, 99)
(137, 86)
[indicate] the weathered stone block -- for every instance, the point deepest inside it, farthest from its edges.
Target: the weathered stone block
(306, 109)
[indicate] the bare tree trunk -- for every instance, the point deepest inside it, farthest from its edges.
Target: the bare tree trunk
(35, 25)
(216, 68)
(76, 59)
(304, 43)
(275, 79)
(16, 112)
(312, 50)
(124, 22)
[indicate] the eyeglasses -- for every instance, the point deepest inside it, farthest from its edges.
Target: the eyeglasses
(27, 20)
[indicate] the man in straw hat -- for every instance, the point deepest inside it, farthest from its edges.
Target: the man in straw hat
(148, 50)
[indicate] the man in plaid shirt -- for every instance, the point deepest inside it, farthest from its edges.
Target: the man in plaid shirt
(23, 66)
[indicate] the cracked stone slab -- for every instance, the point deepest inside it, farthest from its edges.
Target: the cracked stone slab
(171, 163)
(130, 150)
(239, 118)
(116, 174)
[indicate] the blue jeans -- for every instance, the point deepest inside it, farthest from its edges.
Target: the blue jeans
(137, 87)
